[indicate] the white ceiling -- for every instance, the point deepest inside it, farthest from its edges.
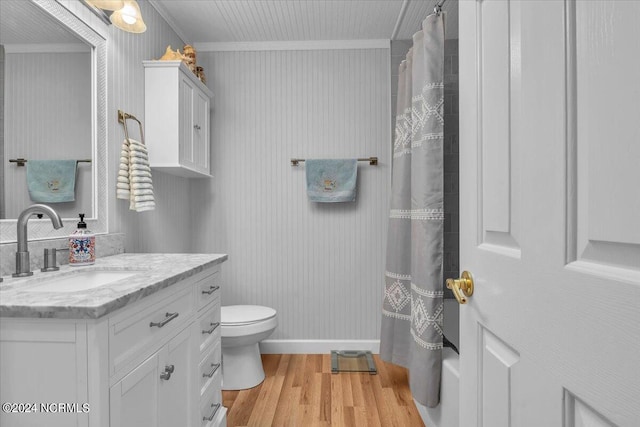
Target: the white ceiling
(22, 22)
(212, 21)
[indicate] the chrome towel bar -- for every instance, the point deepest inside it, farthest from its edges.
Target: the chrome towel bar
(372, 161)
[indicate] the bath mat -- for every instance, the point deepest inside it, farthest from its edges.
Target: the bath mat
(352, 361)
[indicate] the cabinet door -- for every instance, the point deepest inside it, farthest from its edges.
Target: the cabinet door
(41, 364)
(177, 393)
(134, 399)
(186, 149)
(201, 131)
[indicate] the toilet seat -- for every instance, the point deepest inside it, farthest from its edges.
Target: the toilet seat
(244, 315)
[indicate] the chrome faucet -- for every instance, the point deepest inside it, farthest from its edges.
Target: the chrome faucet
(23, 266)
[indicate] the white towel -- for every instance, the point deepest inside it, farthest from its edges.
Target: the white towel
(140, 179)
(134, 177)
(142, 186)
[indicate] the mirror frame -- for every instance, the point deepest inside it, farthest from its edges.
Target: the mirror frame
(41, 229)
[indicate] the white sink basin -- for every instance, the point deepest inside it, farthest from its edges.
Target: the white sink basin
(82, 280)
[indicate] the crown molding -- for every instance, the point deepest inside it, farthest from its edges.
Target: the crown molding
(293, 45)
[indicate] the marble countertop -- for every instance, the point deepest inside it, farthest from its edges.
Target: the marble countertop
(154, 272)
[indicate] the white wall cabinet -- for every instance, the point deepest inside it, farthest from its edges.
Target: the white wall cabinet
(177, 109)
(128, 372)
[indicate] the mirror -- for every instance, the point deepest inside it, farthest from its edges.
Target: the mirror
(52, 78)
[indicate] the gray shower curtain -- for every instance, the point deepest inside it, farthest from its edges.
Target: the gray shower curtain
(411, 334)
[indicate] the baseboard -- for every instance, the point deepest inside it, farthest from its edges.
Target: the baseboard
(316, 346)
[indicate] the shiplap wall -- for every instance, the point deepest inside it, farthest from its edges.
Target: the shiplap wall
(48, 117)
(321, 266)
(165, 229)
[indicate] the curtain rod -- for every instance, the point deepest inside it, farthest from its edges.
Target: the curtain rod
(372, 161)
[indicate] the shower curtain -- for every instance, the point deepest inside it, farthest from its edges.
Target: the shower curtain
(411, 334)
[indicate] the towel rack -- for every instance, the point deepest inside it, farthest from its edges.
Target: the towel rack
(122, 118)
(20, 161)
(372, 161)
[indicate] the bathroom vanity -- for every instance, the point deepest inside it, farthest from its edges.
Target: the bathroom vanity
(132, 341)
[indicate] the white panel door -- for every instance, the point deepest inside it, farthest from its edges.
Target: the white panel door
(201, 131)
(186, 93)
(178, 385)
(134, 399)
(550, 212)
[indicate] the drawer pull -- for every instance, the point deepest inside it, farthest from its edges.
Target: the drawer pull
(211, 290)
(168, 370)
(215, 411)
(210, 331)
(215, 368)
(169, 318)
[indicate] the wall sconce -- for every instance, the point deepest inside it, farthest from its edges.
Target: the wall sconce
(126, 14)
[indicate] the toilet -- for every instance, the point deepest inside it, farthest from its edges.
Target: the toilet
(242, 328)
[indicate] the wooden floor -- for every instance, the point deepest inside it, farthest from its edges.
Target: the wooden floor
(299, 390)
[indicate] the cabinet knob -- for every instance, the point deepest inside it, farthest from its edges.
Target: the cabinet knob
(168, 370)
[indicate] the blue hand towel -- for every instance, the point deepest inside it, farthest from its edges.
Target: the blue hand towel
(51, 181)
(331, 180)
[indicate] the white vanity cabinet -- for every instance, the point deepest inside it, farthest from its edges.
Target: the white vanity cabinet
(177, 110)
(155, 362)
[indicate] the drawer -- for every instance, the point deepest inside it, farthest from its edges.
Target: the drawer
(209, 327)
(209, 366)
(211, 405)
(129, 336)
(208, 290)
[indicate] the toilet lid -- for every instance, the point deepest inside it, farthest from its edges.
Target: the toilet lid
(245, 314)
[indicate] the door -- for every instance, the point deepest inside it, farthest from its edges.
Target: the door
(134, 399)
(186, 149)
(201, 131)
(177, 388)
(550, 212)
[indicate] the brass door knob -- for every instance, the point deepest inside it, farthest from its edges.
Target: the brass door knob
(462, 287)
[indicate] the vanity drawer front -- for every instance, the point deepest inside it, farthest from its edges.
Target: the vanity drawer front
(211, 405)
(210, 365)
(130, 336)
(210, 327)
(208, 290)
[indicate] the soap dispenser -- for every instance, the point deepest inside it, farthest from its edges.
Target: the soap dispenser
(82, 245)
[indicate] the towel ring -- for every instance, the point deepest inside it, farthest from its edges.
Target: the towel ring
(122, 118)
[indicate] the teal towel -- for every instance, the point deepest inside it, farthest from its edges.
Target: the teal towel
(51, 181)
(331, 180)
